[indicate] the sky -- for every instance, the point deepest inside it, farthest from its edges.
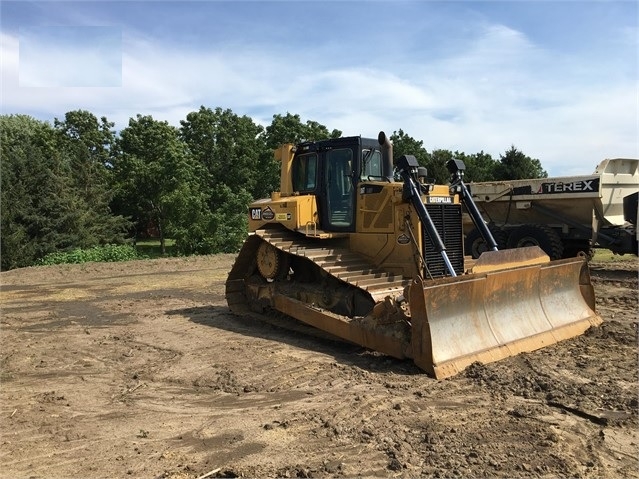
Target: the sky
(556, 79)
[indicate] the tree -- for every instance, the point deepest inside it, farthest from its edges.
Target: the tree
(230, 219)
(290, 129)
(514, 165)
(189, 220)
(479, 166)
(404, 144)
(88, 144)
(434, 163)
(239, 168)
(232, 149)
(19, 139)
(158, 181)
(43, 210)
(436, 166)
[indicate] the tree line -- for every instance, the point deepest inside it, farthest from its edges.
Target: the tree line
(77, 183)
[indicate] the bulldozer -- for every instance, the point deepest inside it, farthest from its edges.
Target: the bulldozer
(371, 251)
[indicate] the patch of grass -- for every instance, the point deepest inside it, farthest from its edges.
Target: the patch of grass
(607, 256)
(106, 253)
(151, 248)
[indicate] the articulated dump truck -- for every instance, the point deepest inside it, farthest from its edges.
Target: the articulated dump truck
(564, 216)
(346, 248)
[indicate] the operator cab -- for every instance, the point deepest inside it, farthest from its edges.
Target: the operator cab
(331, 171)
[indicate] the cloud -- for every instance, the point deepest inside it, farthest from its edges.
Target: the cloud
(70, 56)
(493, 89)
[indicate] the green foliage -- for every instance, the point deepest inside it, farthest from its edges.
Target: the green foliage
(479, 166)
(514, 165)
(434, 163)
(404, 144)
(106, 253)
(157, 180)
(436, 166)
(232, 150)
(44, 208)
(290, 129)
(88, 145)
(19, 152)
(190, 222)
(230, 220)
(238, 167)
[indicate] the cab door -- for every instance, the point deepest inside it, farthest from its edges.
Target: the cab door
(339, 198)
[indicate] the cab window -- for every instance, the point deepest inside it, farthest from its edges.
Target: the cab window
(371, 165)
(305, 172)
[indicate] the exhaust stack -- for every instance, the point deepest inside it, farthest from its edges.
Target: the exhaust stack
(387, 155)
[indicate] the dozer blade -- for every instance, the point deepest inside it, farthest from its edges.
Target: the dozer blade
(496, 313)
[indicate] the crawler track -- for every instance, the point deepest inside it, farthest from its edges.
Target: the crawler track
(328, 255)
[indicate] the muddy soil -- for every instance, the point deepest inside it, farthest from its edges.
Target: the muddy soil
(139, 370)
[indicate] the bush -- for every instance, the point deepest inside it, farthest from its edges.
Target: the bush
(107, 253)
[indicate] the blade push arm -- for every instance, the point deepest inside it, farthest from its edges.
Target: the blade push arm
(456, 169)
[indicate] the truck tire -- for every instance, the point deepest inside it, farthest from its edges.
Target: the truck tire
(475, 245)
(537, 235)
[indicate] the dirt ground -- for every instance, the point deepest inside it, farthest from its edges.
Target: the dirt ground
(139, 370)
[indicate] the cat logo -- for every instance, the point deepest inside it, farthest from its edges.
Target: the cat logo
(255, 214)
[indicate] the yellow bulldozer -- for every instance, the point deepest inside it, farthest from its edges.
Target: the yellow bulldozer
(349, 248)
